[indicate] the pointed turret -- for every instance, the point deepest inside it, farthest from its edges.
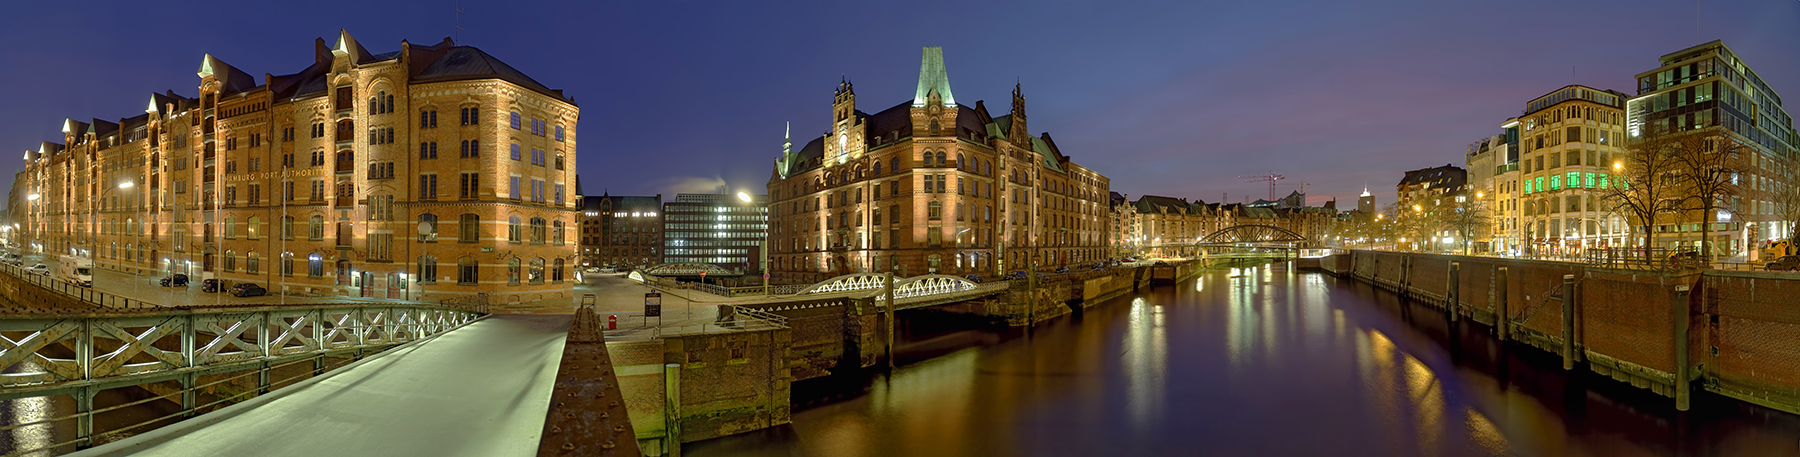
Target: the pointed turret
(932, 78)
(348, 47)
(1017, 133)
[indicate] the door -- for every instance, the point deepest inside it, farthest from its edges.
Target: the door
(368, 280)
(343, 273)
(393, 286)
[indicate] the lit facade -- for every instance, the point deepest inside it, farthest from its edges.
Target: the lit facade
(1707, 90)
(932, 186)
(432, 172)
(718, 229)
(1569, 140)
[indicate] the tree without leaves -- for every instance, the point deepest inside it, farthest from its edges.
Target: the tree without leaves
(1708, 169)
(1643, 186)
(1786, 199)
(1465, 215)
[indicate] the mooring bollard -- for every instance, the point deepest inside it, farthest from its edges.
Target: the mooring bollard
(1568, 315)
(1681, 347)
(1453, 301)
(1502, 318)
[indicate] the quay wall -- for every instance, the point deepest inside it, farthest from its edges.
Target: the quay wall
(1743, 328)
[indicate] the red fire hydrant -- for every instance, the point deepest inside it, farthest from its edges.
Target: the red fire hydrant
(612, 322)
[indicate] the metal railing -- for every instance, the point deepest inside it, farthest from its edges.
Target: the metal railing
(79, 293)
(82, 355)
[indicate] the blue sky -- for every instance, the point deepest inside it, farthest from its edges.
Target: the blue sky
(1166, 98)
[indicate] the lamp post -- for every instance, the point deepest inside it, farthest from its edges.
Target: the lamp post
(94, 220)
(762, 250)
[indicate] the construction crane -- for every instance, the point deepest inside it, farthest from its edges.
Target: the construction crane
(1270, 178)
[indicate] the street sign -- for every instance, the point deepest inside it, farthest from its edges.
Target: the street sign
(653, 304)
(702, 274)
(765, 276)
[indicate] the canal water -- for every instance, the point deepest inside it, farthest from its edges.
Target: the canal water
(1248, 362)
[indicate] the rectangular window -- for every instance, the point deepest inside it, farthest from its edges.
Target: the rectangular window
(515, 121)
(470, 181)
(559, 133)
(514, 193)
(1588, 180)
(428, 187)
(515, 151)
(559, 194)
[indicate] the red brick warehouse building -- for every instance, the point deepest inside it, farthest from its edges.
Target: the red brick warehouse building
(931, 186)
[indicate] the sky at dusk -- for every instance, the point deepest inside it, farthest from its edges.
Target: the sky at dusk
(1168, 98)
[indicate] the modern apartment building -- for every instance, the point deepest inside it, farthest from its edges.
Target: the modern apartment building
(621, 231)
(1708, 90)
(1427, 183)
(718, 229)
(931, 185)
(430, 172)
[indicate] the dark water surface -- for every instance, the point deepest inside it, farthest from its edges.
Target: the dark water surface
(1251, 362)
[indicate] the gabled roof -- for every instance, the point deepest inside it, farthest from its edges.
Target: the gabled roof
(1152, 204)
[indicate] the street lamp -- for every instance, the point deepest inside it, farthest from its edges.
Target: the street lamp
(763, 250)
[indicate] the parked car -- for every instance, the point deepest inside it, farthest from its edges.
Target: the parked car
(1129, 260)
(210, 285)
(245, 289)
(14, 259)
(39, 269)
(1062, 269)
(178, 280)
(1161, 263)
(1784, 263)
(1684, 259)
(974, 278)
(1016, 274)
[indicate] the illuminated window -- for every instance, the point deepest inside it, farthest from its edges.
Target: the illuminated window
(1555, 182)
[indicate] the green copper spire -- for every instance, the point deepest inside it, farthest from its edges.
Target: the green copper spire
(787, 140)
(932, 78)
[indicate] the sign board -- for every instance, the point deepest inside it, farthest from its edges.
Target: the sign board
(765, 276)
(487, 249)
(653, 304)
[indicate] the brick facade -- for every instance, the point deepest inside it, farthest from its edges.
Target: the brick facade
(316, 182)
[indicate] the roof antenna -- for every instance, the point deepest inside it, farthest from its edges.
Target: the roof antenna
(459, 12)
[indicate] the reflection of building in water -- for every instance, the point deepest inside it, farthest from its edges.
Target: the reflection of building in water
(1146, 362)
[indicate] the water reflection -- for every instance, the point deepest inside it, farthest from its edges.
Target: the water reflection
(1257, 361)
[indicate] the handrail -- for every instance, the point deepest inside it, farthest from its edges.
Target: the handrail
(253, 340)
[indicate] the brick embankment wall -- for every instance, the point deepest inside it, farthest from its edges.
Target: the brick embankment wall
(1753, 321)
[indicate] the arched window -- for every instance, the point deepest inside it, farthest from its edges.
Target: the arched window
(470, 227)
(537, 230)
(537, 271)
(894, 164)
(315, 265)
(252, 263)
(877, 169)
(959, 161)
(427, 269)
(942, 162)
(512, 271)
(230, 260)
(512, 229)
(429, 222)
(390, 103)
(556, 270)
(251, 229)
(557, 229)
(287, 264)
(468, 273)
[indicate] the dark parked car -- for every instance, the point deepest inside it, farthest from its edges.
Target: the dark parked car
(975, 278)
(210, 285)
(1784, 263)
(1016, 274)
(179, 280)
(244, 289)
(1062, 269)
(1161, 263)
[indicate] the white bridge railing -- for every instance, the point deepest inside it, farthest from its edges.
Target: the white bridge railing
(80, 354)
